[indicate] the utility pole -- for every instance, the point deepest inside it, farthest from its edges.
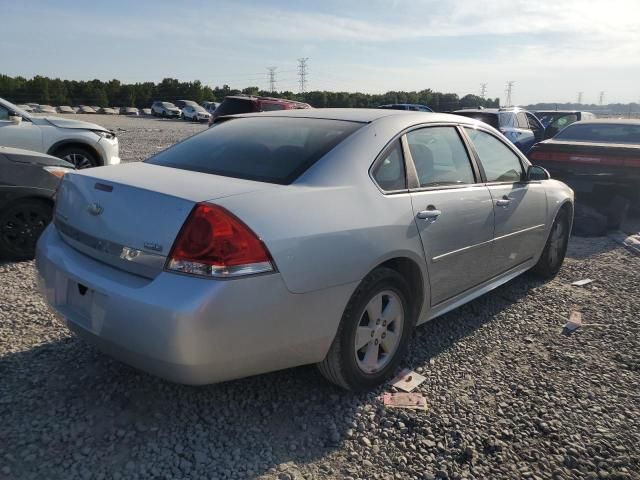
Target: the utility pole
(580, 98)
(302, 73)
(509, 91)
(483, 90)
(272, 78)
(601, 98)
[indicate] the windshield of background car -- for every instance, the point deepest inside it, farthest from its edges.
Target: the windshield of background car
(600, 133)
(14, 108)
(168, 105)
(232, 106)
(267, 149)
(489, 118)
(558, 120)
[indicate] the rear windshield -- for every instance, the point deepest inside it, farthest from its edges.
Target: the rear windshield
(233, 106)
(267, 149)
(490, 118)
(600, 133)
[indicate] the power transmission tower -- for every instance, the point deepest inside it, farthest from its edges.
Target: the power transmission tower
(601, 98)
(509, 91)
(272, 78)
(302, 73)
(483, 90)
(580, 98)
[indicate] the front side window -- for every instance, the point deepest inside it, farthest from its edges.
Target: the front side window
(439, 157)
(389, 172)
(500, 163)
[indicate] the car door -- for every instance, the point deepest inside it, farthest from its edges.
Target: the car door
(25, 135)
(453, 210)
(524, 137)
(520, 207)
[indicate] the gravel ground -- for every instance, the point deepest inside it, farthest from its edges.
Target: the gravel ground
(509, 396)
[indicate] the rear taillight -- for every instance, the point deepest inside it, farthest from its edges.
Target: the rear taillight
(215, 243)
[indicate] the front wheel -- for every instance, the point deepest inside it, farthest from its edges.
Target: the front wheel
(80, 157)
(374, 333)
(21, 224)
(556, 247)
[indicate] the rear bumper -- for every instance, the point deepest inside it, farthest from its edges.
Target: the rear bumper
(580, 176)
(185, 329)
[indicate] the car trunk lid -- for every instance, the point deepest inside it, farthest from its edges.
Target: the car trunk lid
(129, 216)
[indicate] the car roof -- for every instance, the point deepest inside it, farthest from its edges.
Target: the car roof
(362, 115)
(561, 111)
(255, 98)
(608, 121)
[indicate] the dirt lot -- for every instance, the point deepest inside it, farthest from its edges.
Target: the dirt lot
(509, 396)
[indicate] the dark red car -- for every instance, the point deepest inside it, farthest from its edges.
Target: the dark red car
(236, 104)
(594, 155)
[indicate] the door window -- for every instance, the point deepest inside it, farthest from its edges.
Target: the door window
(500, 163)
(389, 171)
(440, 157)
(522, 121)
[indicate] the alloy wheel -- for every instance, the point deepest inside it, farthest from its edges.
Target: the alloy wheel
(79, 160)
(22, 229)
(379, 331)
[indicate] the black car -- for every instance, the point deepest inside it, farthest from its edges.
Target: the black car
(28, 181)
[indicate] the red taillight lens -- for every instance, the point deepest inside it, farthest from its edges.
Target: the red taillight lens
(215, 243)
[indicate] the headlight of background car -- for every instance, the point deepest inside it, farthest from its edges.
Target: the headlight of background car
(58, 171)
(107, 135)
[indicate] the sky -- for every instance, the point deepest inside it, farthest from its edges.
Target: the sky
(551, 49)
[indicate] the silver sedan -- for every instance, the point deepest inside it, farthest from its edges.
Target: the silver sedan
(286, 238)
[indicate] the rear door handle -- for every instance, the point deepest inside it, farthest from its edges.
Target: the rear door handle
(429, 214)
(503, 202)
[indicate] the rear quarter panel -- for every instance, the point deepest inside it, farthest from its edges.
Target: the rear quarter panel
(333, 226)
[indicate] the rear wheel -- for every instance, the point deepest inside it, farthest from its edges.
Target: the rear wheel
(21, 224)
(80, 157)
(374, 333)
(556, 247)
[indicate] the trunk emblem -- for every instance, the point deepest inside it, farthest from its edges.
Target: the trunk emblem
(95, 209)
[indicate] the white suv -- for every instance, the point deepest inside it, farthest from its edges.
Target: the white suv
(81, 143)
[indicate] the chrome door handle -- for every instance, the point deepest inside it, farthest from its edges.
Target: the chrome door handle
(503, 202)
(429, 214)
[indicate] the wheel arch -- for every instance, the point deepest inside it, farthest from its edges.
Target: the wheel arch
(415, 277)
(56, 147)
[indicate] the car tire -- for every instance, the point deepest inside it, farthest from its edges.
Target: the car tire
(357, 359)
(21, 224)
(555, 249)
(80, 157)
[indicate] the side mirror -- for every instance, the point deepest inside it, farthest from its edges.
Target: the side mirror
(15, 119)
(536, 173)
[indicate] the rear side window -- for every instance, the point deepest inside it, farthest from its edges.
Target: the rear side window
(499, 162)
(439, 157)
(270, 107)
(267, 149)
(601, 132)
(489, 118)
(233, 106)
(389, 171)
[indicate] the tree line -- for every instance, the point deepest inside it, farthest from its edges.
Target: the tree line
(56, 92)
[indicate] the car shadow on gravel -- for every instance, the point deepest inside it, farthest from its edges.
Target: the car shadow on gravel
(74, 407)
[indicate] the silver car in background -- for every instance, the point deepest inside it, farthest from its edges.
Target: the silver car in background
(286, 238)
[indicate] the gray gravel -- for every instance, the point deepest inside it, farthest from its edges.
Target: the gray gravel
(509, 396)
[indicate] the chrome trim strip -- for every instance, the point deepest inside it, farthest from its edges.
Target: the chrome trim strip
(460, 250)
(524, 230)
(129, 259)
(470, 247)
